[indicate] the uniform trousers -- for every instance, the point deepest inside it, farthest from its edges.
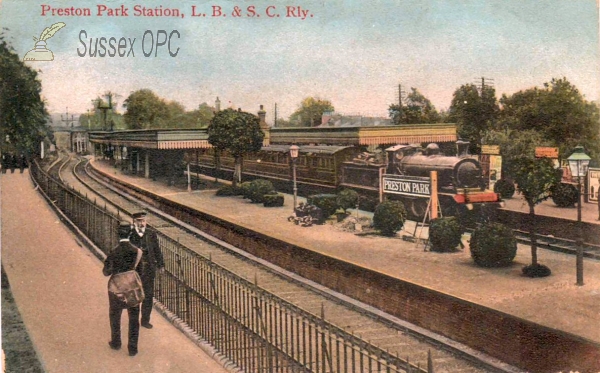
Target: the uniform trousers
(116, 308)
(147, 277)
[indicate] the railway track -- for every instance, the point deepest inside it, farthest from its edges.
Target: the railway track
(386, 333)
(562, 245)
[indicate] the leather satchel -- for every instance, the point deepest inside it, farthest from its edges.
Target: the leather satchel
(127, 286)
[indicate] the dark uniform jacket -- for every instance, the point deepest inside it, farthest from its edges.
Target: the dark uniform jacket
(121, 259)
(152, 257)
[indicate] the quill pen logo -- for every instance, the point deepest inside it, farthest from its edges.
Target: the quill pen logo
(40, 52)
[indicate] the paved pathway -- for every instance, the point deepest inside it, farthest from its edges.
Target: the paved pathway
(554, 301)
(61, 294)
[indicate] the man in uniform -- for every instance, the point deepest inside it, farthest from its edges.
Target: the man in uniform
(152, 259)
(122, 259)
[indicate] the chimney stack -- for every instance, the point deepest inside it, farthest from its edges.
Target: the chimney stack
(217, 104)
(261, 117)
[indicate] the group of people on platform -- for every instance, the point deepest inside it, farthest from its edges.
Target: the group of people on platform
(11, 161)
(123, 258)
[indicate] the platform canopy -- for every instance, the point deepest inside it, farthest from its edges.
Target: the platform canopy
(154, 139)
(372, 135)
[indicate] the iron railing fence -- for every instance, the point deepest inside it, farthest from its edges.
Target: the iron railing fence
(255, 329)
(99, 225)
(291, 339)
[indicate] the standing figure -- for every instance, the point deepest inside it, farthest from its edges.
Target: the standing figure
(5, 162)
(121, 259)
(152, 259)
(22, 162)
(13, 163)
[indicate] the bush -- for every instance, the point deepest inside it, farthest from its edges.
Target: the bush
(505, 188)
(326, 202)
(228, 190)
(273, 200)
(444, 234)
(347, 199)
(257, 190)
(389, 217)
(564, 195)
(245, 189)
(538, 270)
(493, 245)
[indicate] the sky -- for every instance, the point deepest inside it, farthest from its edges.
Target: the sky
(353, 53)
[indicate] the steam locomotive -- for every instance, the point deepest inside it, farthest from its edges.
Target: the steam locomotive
(328, 168)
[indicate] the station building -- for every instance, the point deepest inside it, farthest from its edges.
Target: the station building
(165, 152)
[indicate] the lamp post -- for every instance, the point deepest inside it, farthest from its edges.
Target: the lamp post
(294, 154)
(578, 163)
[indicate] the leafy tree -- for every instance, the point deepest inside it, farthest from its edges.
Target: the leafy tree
(558, 111)
(515, 145)
(310, 112)
(535, 179)
(23, 114)
(418, 109)
(474, 113)
(238, 132)
(146, 110)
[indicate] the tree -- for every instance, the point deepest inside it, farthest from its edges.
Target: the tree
(23, 114)
(146, 110)
(515, 145)
(535, 179)
(558, 111)
(310, 111)
(417, 109)
(474, 113)
(239, 133)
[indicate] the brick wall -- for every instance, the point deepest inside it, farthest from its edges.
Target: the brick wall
(516, 341)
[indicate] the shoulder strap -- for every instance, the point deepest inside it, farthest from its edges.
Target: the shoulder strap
(138, 258)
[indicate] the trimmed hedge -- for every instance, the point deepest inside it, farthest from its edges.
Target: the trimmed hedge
(273, 200)
(257, 190)
(228, 191)
(326, 202)
(493, 245)
(564, 195)
(505, 188)
(444, 234)
(346, 199)
(389, 217)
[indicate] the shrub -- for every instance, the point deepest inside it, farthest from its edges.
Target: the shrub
(444, 234)
(505, 188)
(493, 245)
(538, 270)
(564, 195)
(273, 200)
(258, 188)
(326, 202)
(228, 190)
(245, 189)
(389, 217)
(346, 199)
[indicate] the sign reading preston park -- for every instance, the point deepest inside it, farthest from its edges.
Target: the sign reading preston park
(407, 185)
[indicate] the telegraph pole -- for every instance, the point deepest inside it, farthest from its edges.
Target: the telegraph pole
(481, 83)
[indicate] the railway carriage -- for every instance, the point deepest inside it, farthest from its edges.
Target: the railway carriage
(328, 168)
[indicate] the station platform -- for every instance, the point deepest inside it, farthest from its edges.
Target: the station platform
(554, 301)
(61, 294)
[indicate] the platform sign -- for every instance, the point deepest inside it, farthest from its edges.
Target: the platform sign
(593, 183)
(546, 152)
(406, 185)
(495, 173)
(490, 149)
